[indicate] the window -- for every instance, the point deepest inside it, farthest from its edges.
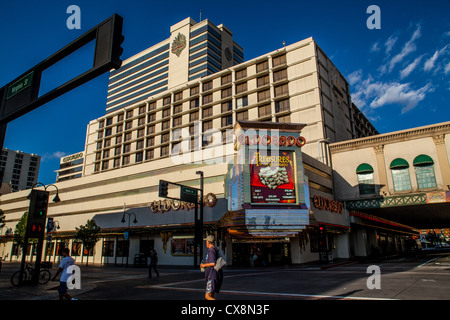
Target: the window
(241, 87)
(195, 90)
(226, 93)
(227, 106)
(281, 90)
(177, 109)
(139, 157)
(152, 106)
(263, 95)
(242, 116)
(166, 113)
(166, 101)
(242, 102)
(142, 110)
(207, 112)
(227, 120)
(280, 75)
(226, 79)
(207, 99)
(365, 179)
(241, 74)
(277, 61)
(423, 166)
(165, 137)
(284, 119)
(178, 96)
(177, 121)
(165, 125)
(193, 116)
(400, 174)
(262, 66)
(282, 105)
(207, 86)
(194, 103)
(207, 125)
(164, 151)
(149, 154)
(262, 81)
(264, 110)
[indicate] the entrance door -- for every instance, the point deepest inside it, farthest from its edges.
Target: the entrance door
(254, 254)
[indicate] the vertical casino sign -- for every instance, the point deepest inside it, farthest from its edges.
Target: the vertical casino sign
(272, 177)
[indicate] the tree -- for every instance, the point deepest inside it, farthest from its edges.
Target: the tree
(87, 234)
(21, 228)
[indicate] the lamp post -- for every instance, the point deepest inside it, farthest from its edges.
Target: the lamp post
(129, 220)
(199, 224)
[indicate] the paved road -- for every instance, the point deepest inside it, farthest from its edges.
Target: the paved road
(400, 278)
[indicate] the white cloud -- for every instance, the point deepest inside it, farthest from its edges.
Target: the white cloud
(390, 42)
(402, 94)
(354, 77)
(429, 64)
(376, 94)
(375, 47)
(447, 68)
(408, 48)
(410, 68)
(54, 155)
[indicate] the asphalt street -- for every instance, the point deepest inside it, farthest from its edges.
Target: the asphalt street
(400, 278)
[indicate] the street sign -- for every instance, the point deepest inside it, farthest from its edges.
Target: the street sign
(19, 85)
(176, 191)
(126, 235)
(189, 194)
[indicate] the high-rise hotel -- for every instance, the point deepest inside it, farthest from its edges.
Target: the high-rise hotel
(197, 83)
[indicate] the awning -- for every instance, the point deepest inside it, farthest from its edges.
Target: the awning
(364, 168)
(423, 160)
(399, 163)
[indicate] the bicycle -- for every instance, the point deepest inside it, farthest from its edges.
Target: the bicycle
(27, 275)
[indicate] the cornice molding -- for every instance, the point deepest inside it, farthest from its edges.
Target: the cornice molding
(439, 129)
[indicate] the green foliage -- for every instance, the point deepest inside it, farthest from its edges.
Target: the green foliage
(87, 234)
(20, 230)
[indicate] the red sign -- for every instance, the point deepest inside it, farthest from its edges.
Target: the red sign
(272, 178)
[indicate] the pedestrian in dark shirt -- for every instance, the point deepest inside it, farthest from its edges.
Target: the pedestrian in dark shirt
(153, 263)
(213, 278)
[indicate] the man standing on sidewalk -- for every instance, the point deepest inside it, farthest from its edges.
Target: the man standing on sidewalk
(65, 263)
(153, 263)
(213, 278)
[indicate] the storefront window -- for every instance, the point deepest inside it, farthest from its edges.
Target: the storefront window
(423, 166)
(108, 249)
(400, 175)
(365, 179)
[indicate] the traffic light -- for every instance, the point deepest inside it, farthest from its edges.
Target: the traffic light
(322, 238)
(37, 213)
(163, 188)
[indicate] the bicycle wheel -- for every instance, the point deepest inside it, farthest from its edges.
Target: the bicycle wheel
(44, 276)
(16, 276)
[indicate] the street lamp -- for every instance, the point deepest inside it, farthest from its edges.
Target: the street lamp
(129, 220)
(56, 199)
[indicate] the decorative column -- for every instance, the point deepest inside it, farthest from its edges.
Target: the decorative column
(379, 154)
(442, 156)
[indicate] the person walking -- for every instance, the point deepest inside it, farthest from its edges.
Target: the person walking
(153, 263)
(213, 278)
(64, 264)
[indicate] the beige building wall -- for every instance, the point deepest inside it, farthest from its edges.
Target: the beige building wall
(382, 150)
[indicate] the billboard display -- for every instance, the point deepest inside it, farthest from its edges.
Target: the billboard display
(272, 177)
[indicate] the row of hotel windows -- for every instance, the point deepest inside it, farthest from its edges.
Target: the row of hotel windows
(136, 128)
(424, 172)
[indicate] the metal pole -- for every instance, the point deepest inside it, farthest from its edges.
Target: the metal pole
(196, 235)
(201, 213)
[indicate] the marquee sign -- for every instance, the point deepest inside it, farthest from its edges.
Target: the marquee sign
(272, 140)
(328, 204)
(166, 205)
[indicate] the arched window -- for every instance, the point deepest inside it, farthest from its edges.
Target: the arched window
(365, 179)
(400, 174)
(423, 165)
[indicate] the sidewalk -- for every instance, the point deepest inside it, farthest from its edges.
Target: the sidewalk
(92, 275)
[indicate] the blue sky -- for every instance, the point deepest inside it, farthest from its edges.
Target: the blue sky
(399, 74)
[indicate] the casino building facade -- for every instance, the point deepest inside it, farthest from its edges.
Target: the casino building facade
(177, 108)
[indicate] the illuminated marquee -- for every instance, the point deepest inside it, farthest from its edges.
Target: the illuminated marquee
(272, 140)
(166, 205)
